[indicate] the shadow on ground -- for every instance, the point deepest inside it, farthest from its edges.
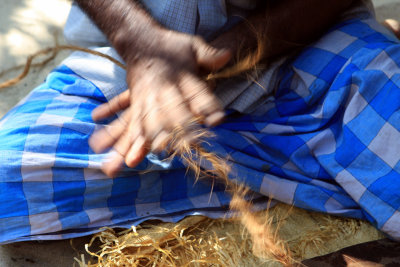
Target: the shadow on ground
(44, 254)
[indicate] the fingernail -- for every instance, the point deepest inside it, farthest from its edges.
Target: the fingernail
(214, 118)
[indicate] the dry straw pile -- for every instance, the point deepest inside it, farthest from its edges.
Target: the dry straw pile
(200, 241)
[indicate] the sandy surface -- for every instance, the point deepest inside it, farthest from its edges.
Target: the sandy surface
(25, 27)
(387, 9)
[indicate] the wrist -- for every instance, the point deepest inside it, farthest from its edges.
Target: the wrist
(132, 42)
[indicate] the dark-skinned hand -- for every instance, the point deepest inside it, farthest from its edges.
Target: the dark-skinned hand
(165, 92)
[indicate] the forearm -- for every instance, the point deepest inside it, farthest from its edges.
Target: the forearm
(125, 23)
(283, 25)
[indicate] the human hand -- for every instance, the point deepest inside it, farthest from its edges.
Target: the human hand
(165, 93)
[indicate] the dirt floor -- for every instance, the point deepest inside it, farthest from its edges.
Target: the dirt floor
(25, 27)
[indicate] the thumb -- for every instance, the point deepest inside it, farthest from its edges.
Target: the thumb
(210, 57)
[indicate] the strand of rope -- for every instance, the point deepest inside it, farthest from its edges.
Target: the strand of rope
(53, 50)
(266, 242)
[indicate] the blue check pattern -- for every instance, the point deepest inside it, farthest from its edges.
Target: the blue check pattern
(202, 17)
(328, 140)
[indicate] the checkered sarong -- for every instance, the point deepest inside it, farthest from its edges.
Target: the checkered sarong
(328, 140)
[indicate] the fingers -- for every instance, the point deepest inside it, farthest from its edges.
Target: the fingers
(202, 102)
(161, 141)
(107, 136)
(117, 158)
(137, 152)
(130, 147)
(118, 103)
(174, 108)
(172, 116)
(209, 57)
(113, 164)
(167, 97)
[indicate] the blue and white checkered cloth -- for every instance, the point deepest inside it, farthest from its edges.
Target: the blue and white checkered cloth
(328, 140)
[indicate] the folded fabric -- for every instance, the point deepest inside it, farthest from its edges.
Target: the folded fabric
(328, 141)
